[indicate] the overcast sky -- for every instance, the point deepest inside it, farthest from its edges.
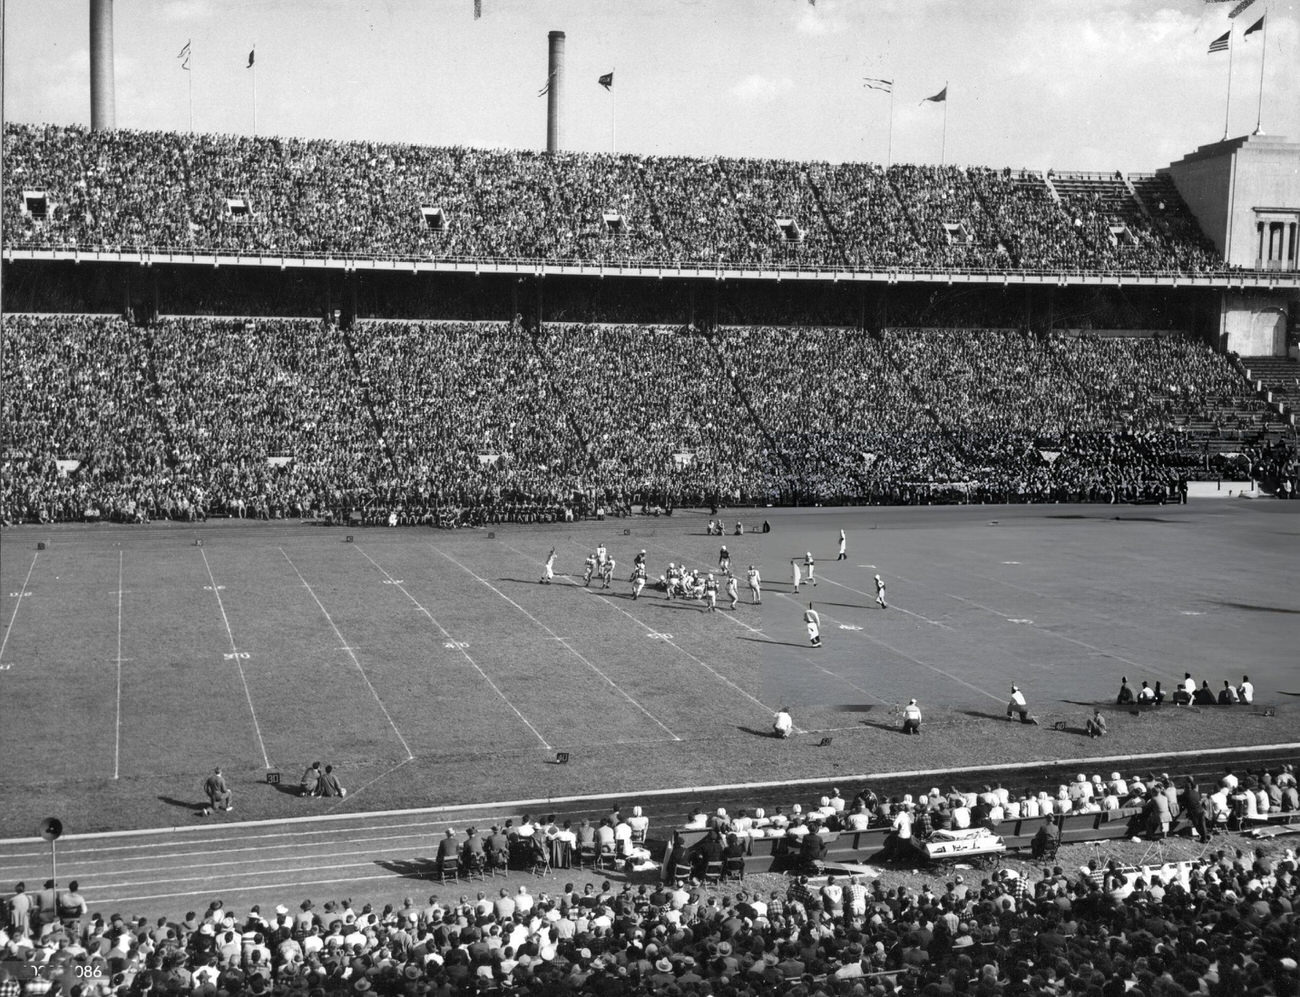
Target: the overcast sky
(1075, 84)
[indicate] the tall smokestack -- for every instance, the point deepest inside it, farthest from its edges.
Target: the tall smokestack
(103, 104)
(555, 81)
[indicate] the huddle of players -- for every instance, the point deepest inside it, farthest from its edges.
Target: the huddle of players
(693, 583)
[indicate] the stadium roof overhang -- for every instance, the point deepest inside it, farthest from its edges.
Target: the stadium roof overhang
(1228, 279)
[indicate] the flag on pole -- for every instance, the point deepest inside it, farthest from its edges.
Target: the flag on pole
(547, 88)
(940, 97)
(1257, 26)
(872, 83)
(184, 56)
(607, 81)
(251, 53)
(1220, 44)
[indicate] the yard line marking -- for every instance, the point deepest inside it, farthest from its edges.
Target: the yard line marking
(908, 612)
(904, 654)
(364, 677)
(703, 664)
(1071, 640)
(117, 726)
(553, 634)
(234, 656)
(369, 863)
(18, 602)
(458, 646)
(353, 793)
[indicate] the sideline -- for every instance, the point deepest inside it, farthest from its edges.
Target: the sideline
(677, 791)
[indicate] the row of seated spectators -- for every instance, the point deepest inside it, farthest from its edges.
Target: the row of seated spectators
(459, 423)
(1233, 802)
(124, 190)
(1221, 927)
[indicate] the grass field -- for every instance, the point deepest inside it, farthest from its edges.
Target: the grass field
(431, 667)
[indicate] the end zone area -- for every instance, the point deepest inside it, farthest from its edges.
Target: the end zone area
(431, 667)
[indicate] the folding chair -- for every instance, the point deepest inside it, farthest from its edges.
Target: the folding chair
(713, 871)
(607, 854)
(586, 856)
(682, 872)
(450, 867)
(541, 861)
(499, 863)
(734, 868)
(476, 866)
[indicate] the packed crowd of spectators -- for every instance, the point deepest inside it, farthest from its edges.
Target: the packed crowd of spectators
(1220, 926)
(465, 423)
(137, 191)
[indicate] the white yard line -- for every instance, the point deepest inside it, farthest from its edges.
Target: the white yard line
(1070, 640)
(22, 594)
(117, 725)
(447, 636)
(351, 654)
(562, 640)
(234, 652)
(649, 629)
(915, 661)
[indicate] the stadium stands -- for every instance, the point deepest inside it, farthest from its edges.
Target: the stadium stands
(120, 190)
(1219, 925)
(459, 423)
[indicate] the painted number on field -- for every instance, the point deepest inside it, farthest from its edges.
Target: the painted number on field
(849, 626)
(392, 581)
(1010, 562)
(1192, 612)
(18, 595)
(6, 666)
(1020, 621)
(236, 656)
(456, 645)
(218, 588)
(659, 636)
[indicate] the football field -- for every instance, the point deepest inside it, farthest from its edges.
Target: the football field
(431, 667)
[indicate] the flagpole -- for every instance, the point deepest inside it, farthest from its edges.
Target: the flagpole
(191, 83)
(943, 145)
(889, 153)
(1263, 56)
(253, 67)
(613, 118)
(1228, 104)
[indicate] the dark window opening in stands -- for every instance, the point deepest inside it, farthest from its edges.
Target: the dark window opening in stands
(37, 204)
(434, 218)
(615, 223)
(790, 230)
(237, 207)
(1121, 236)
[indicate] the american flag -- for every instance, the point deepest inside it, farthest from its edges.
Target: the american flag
(1220, 44)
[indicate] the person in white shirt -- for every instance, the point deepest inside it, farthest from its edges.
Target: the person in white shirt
(911, 718)
(1018, 705)
(814, 623)
(796, 575)
(1029, 807)
(783, 723)
(755, 586)
(1246, 691)
(844, 543)
(639, 824)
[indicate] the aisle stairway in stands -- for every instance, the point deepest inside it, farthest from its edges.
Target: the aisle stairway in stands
(1279, 375)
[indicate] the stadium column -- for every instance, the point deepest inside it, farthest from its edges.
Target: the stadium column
(554, 89)
(103, 104)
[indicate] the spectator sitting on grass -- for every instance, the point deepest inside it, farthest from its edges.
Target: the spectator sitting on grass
(310, 784)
